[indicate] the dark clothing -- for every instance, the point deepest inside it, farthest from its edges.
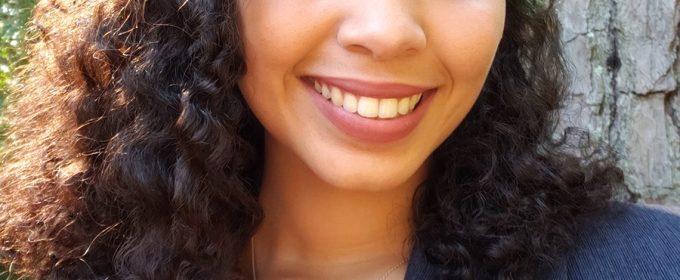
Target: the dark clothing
(629, 242)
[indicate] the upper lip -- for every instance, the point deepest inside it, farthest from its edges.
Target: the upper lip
(372, 89)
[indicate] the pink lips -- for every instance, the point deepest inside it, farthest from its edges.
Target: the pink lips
(367, 129)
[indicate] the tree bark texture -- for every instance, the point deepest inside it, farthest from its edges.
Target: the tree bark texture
(623, 57)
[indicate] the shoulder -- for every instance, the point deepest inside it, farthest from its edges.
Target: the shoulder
(626, 241)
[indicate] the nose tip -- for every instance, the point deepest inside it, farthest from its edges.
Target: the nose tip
(382, 33)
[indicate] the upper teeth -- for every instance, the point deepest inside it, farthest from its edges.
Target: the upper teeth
(368, 107)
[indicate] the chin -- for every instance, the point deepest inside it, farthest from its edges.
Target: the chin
(358, 177)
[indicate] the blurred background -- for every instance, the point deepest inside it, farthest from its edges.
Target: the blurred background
(623, 55)
(13, 17)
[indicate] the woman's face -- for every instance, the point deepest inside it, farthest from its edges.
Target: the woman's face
(363, 91)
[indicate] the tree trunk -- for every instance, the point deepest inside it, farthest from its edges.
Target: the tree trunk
(623, 55)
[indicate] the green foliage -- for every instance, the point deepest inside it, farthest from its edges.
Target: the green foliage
(13, 17)
(5, 275)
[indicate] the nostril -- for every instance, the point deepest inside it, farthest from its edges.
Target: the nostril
(359, 49)
(384, 46)
(382, 35)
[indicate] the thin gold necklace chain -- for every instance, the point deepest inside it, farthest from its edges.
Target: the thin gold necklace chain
(252, 262)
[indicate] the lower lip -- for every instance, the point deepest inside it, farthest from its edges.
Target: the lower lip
(371, 130)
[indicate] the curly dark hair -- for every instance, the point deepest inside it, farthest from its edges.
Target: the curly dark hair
(132, 155)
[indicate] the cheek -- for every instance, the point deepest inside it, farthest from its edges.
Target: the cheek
(467, 41)
(277, 34)
(278, 37)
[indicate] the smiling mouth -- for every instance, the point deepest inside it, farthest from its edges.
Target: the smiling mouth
(368, 107)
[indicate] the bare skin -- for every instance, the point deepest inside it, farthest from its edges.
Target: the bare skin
(338, 203)
(313, 230)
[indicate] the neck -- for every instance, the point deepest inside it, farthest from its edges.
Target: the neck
(317, 229)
